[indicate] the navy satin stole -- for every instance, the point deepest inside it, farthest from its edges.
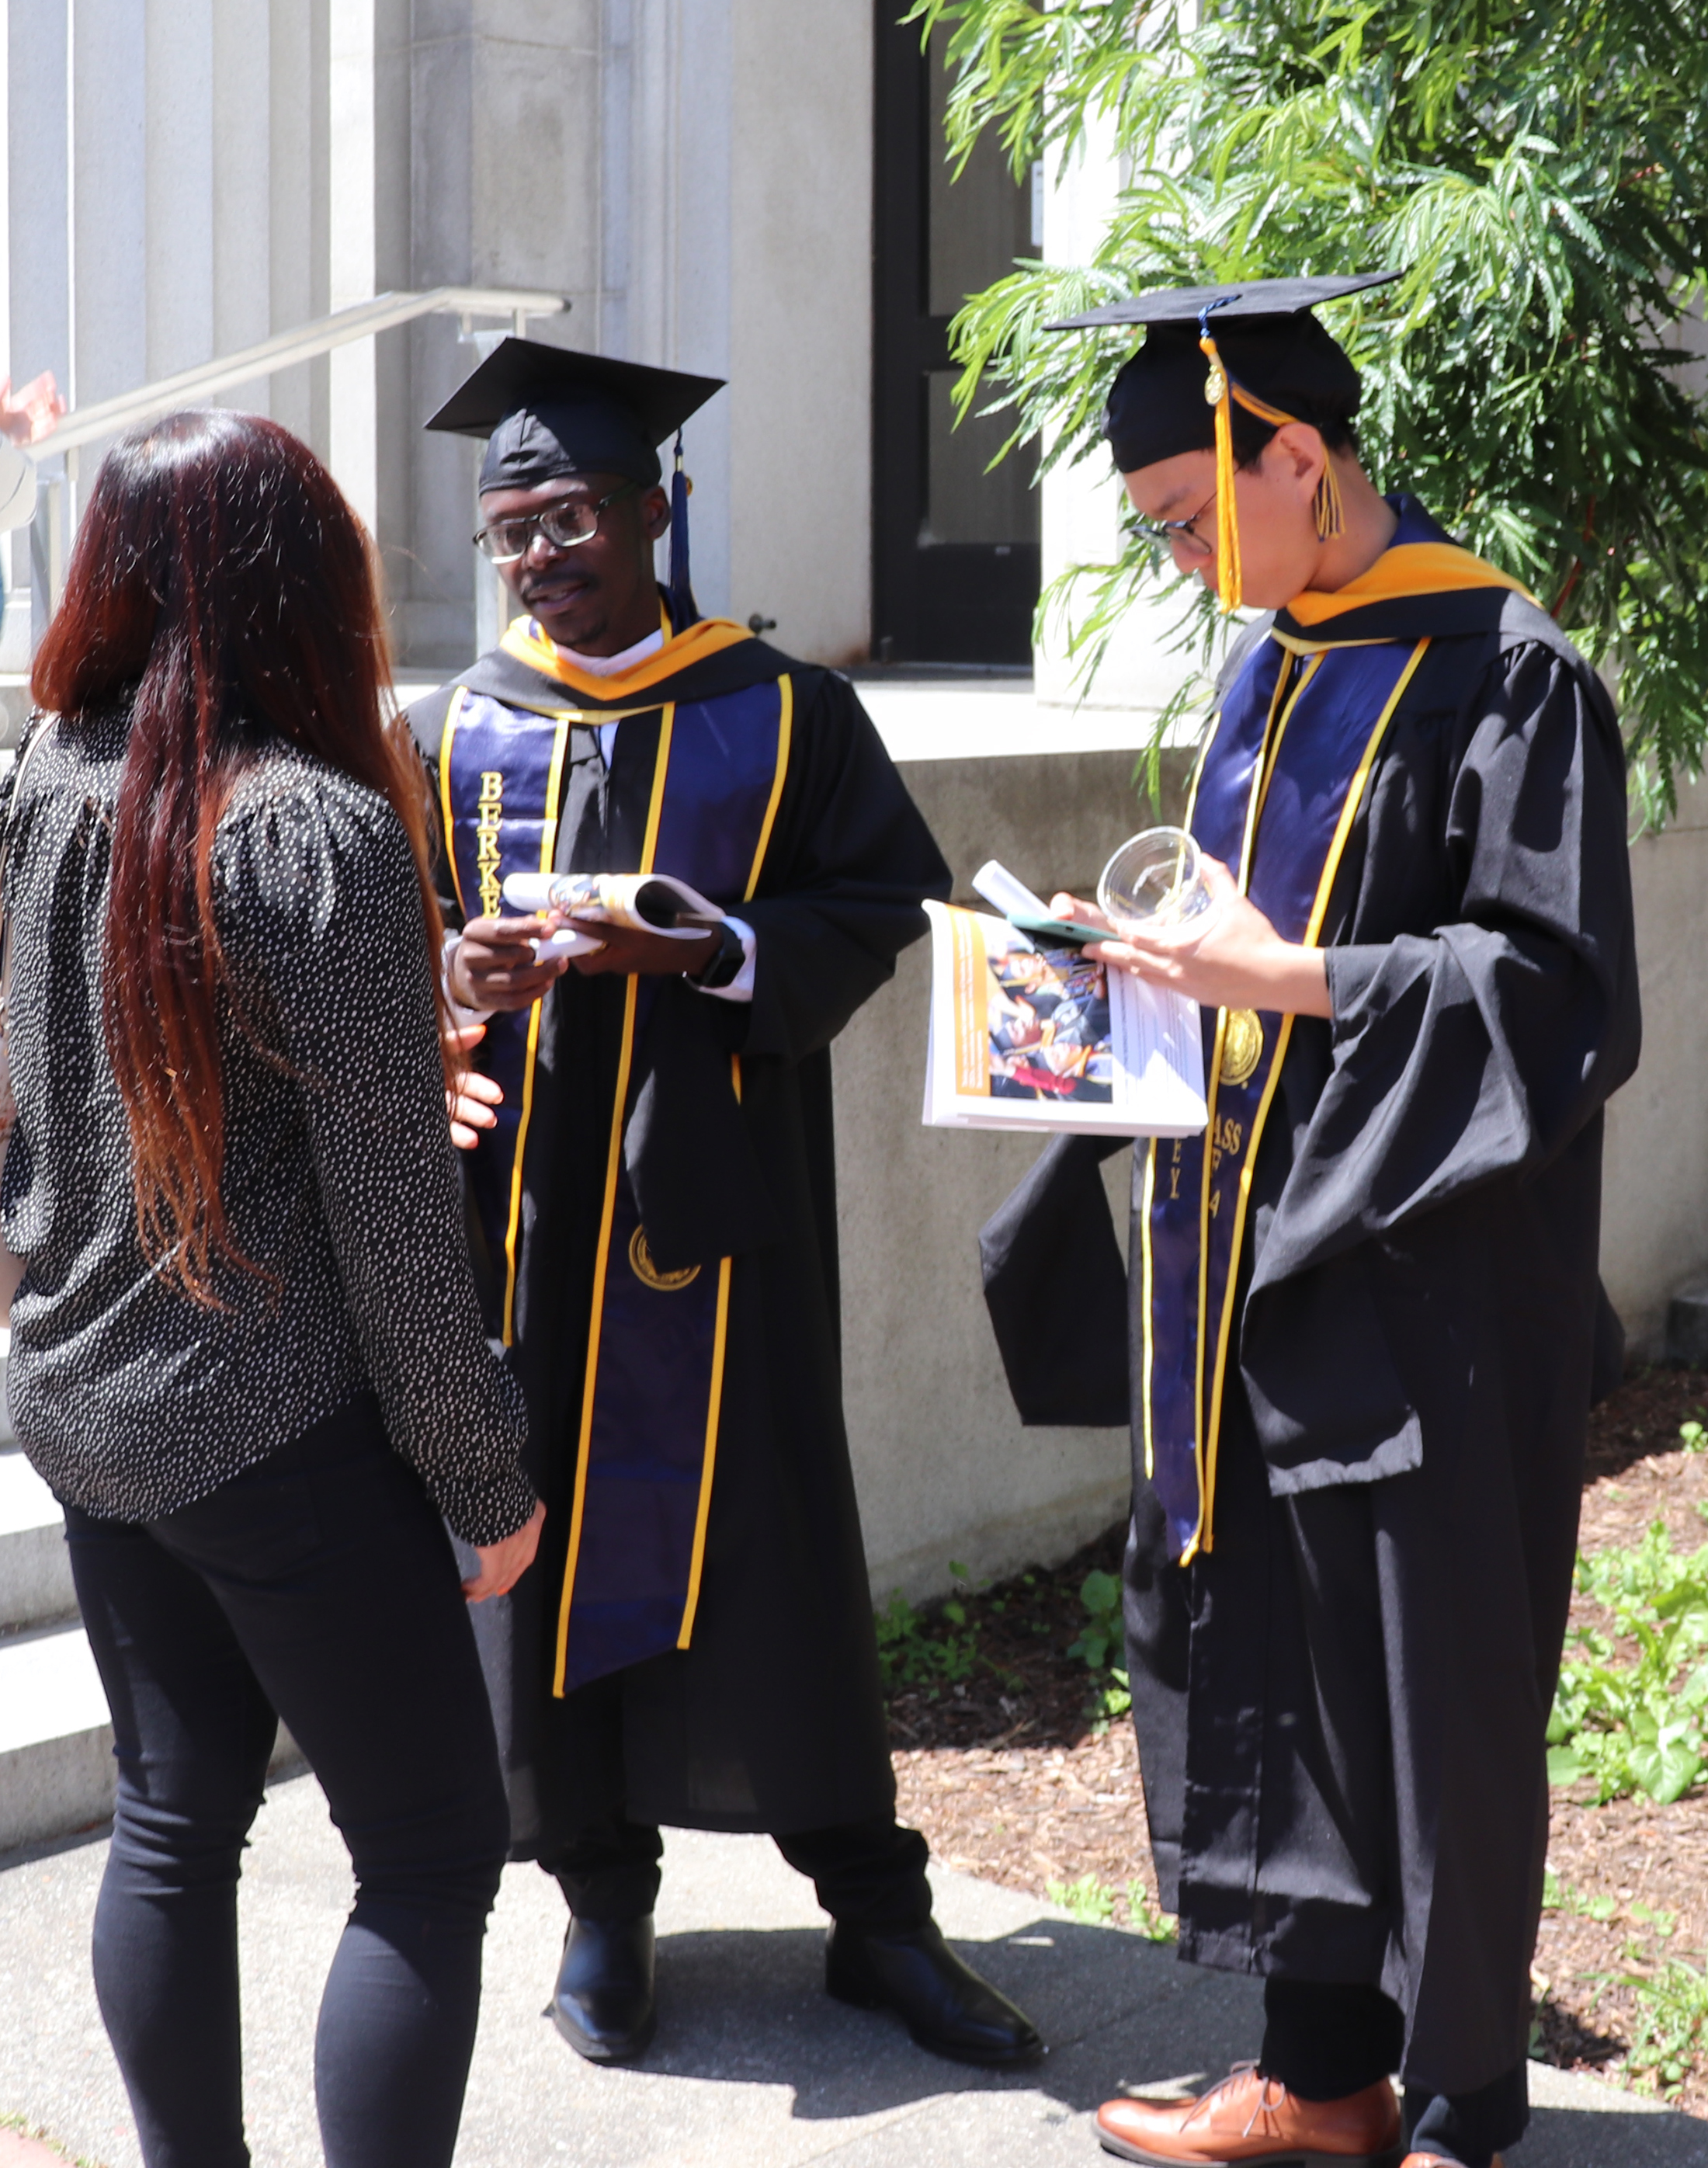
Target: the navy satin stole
(501, 779)
(653, 1392)
(1277, 788)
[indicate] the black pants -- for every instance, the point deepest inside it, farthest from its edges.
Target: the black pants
(869, 1874)
(318, 1585)
(1323, 2042)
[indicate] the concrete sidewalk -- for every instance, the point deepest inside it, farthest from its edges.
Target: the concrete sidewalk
(754, 2067)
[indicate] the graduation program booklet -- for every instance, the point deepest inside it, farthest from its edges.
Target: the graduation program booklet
(1027, 1033)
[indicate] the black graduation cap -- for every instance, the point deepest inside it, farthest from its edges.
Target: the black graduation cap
(546, 412)
(1248, 298)
(1255, 344)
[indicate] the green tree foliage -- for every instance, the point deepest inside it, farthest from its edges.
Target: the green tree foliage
(1541, 173)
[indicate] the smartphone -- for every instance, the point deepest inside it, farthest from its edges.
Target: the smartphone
(1064, 933)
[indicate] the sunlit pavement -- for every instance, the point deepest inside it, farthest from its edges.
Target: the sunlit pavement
(754, 2066)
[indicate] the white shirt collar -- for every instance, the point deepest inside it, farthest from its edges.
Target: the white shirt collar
(608, 665)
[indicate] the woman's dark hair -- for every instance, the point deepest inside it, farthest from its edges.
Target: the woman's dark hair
(221, 588)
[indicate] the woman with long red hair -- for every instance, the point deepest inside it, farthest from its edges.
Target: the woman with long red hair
(246, 1352)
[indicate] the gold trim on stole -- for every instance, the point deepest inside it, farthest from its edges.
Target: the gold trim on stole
(1144, 1254)
(548, 851)
(1281, 703)
(446, 815)
(785, 733)
(1204, 1536)
(1197, 775)
(613, 1167)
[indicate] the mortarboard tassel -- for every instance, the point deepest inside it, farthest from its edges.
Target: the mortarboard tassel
(684, 611)
(1331, 512)
(1219, 392)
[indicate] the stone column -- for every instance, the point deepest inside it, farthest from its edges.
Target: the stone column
(241, 168)
(353, 442)
(666, 271)
(799, 254)
(296, 117)
(498, 168)
(1081, 510)
(175, 214)
(38, 231)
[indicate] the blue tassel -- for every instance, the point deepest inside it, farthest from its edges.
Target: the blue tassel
(684, 610)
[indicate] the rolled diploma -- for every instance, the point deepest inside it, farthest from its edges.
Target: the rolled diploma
(528, 894)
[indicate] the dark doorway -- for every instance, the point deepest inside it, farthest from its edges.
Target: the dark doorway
(955, 550)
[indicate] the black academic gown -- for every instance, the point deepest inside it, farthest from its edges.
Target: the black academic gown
(1341, 1708)
(772, 1719)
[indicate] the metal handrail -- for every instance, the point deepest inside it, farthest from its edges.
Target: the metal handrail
(83, 424)
(105, 417)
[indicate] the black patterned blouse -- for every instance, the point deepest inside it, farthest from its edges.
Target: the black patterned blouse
(128, 1399)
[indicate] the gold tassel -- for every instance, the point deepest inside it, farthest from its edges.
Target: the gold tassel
(1219, 392)
(1331, 515)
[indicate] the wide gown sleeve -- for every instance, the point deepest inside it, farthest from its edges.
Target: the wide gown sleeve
(1482, 1047)
(840, 896)
(333, 942)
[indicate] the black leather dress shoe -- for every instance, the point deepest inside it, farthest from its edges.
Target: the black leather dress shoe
(603, 2001)
(943, 2003)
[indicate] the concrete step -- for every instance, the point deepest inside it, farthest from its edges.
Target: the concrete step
(36, 1571)
(57, 1770)
(57, 1767)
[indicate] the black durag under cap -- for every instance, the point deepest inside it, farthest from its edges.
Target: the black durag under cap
(546, 412)
(1269, 343)
(551, 438)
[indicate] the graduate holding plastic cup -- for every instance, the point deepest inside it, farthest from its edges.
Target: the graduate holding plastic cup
(1367, 1323)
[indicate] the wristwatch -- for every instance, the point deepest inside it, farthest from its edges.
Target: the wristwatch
(724, 968)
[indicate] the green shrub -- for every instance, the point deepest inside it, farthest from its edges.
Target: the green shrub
(1637, 1724)
(1541, 176)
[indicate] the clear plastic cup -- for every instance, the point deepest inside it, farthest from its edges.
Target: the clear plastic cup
(1155, 880)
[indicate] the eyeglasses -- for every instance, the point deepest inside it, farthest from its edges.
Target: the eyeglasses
(562, 525)
(1181, 530)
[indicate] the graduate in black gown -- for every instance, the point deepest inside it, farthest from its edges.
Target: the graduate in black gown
(652, 1208)
(1365, 1319)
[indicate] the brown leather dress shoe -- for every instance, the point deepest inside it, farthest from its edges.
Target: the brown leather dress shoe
(1250, 2119)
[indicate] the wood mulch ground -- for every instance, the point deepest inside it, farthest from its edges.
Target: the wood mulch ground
(1011, 1775)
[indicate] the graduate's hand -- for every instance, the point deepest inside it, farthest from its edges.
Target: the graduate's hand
(469, 1102)
(493, 965)
(1231, 958)
(631, 949)
(503, 1564)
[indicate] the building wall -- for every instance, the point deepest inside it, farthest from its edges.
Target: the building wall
(1654, 1190)
(943, 1468)
(186, 176)
(169, 174)
(1143, 664)
(800, 339)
